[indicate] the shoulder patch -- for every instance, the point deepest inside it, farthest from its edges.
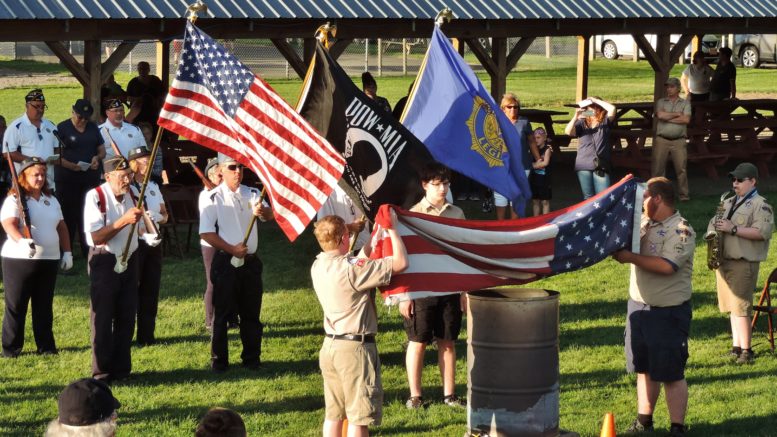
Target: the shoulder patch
(359, 262)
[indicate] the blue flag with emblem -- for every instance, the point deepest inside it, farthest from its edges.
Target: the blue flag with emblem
(451, 112)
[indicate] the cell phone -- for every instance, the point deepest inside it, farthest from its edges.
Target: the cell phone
(588, 113)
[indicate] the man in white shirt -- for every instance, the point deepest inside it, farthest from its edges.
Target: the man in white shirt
(109, 214)
(236, 271)
(115, 130)
(32, 135)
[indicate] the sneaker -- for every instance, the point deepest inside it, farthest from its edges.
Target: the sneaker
(636, 428)
(454, 401)
(415, 403)
(746, 357)
(677, 431)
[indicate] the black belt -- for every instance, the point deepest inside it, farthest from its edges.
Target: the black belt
(363, 338)
(672, 139)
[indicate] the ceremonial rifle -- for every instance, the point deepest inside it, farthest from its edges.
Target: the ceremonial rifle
(21, 204)
(203, 178)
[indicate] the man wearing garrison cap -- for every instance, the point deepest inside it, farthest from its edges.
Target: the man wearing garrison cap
(109, 213)
(125, 136)
(33, 135)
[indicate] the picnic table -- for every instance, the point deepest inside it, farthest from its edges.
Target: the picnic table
(742, 129)
(748, 135)
(545, 118)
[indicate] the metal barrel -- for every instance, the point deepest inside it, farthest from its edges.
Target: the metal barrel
(512, 362)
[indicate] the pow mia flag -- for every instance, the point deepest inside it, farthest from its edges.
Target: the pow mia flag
(383, 158)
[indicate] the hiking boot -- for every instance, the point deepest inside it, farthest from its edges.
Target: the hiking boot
(415, 403)
(454, 401)
(636, 428)
(746, 357)
(677, 430)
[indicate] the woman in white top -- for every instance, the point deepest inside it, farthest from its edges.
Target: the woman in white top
(149, 257)
(30, 264)
(696, 79)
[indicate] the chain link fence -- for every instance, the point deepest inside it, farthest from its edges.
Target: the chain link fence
(389, 57)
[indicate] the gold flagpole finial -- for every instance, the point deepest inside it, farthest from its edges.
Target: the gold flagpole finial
(444, 16)
(323, 33)
(194, 8)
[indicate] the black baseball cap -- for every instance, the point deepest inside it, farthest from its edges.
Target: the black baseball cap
(86, 402)
(745, 170)
(83, 108)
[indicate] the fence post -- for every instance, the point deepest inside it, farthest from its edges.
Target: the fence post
(547, 47)
(380, 57)
(366, 54)
(405, 49)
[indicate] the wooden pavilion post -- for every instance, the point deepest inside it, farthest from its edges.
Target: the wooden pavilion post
(93, 66)
(583, 49)
(163, 62)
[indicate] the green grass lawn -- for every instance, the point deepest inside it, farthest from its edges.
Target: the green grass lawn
(171, 385)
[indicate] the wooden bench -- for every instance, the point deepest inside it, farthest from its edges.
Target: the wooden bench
(634, 156)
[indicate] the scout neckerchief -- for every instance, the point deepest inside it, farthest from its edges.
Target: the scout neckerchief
(752, 193)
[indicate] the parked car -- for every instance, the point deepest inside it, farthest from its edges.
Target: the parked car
(754, 49)
(612, 46)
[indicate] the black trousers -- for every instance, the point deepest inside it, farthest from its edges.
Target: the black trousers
(114, 301)
(71, 195)
(149, 277)
(236, 290)
(28, 280)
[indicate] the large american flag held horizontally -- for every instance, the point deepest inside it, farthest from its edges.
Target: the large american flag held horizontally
(450, 256)
(217, 102)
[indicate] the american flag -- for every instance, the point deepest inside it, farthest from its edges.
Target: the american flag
(451, 256)
(217, 102)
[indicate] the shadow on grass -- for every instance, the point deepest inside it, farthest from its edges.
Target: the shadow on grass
(741, 426)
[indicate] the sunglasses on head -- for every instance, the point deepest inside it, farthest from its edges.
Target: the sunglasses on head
(234, 167)
(740, 180)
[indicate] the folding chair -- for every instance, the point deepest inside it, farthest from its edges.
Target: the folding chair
(768, 309)
(181, 202)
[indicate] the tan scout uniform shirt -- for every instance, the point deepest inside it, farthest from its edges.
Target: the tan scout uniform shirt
(665, 129)
(673, 240)
(447, 210)
(754, 213)
(345, 287)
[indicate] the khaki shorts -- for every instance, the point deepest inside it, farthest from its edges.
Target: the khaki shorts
(352, 387)
(736, 281)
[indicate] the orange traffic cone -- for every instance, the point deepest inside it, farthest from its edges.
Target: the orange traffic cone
(608, 427)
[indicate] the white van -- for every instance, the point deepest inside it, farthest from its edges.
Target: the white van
(612, 46)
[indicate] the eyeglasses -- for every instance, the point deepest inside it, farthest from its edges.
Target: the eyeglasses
(740, 180)
(234, 167)
(512, 107)
(39, 107)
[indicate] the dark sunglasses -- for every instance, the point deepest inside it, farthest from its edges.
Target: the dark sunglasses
(512, 107)
(40, 107)
(234, 167)
(740, 180)
(40, 137)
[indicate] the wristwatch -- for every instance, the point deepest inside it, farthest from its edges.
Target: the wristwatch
(734, 230)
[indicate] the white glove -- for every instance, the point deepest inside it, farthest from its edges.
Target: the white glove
(237, 262)
(27, 243)
(67, 261)
(155, 216)
(152, 240)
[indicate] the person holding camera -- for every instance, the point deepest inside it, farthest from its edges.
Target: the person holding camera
(673, 114)
(591, 126)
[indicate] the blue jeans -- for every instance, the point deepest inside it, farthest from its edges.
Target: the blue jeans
(591, 183)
